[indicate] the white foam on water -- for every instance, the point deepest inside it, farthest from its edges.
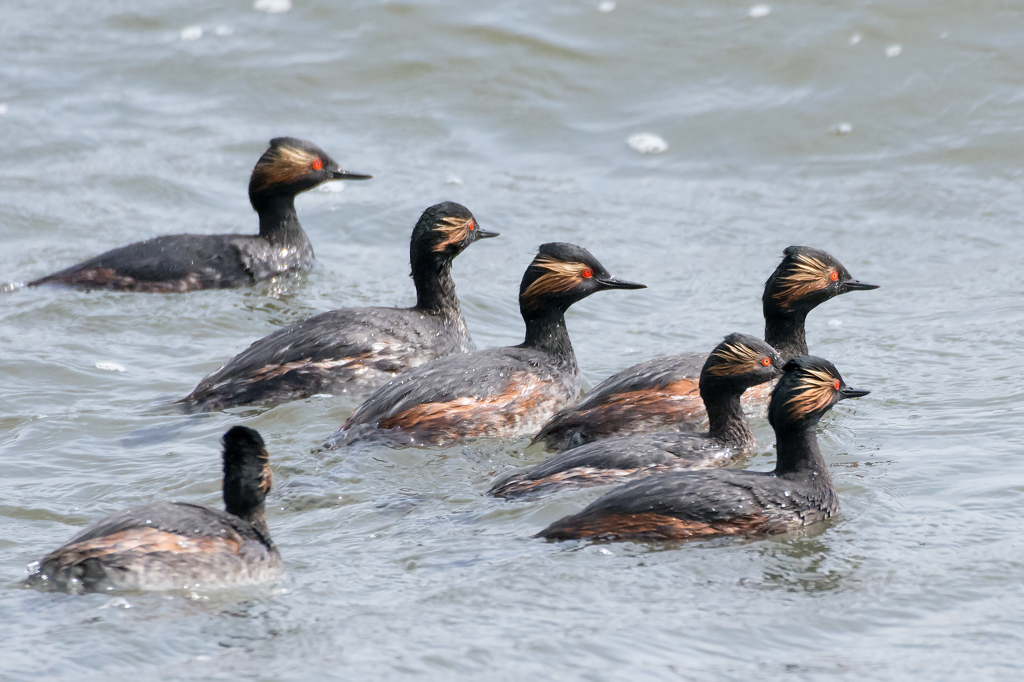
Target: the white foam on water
(758, 11)
(606, 6)
(110, 366)
(893, 50)
(192, 33)
(453, 180)
(332, 187)
(842, 129)
(272, 6)
(4, 108)
(855, 38)
(647, 143)
(224, 30)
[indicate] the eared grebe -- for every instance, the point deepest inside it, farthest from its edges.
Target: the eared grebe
(498, 392)
(357, 349)
(174, 545)
(187, 262)
(691, 504)
(662, 393)
(735, 365)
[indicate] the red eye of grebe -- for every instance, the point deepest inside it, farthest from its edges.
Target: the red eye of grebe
(766, 361)
(472, 225)
(834, 276)
(318, 164)
(587, 273)
(835, 384)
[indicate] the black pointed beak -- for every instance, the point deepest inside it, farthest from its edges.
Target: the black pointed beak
(847, 392)
(616, 283)
(484, 234)
(338, 174)
(857, 285)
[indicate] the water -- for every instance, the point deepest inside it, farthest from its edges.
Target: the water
(791, 127)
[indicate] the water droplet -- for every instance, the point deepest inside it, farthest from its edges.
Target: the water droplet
(110, 366)
(272, 6)
(647, 143)
(786, 493)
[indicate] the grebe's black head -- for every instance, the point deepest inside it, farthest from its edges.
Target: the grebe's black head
(247, 476)
(562, 274)
(809, 387)
(740, 361)
(445, 230)
(806, 278)
(291, 166)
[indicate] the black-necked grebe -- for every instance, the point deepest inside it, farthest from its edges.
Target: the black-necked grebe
(188, 262)
(679, 505)
(735, 365)
(174, 545)
(354, 350)
(498, 392)
(662, 394)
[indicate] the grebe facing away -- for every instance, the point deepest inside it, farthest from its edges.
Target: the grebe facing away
(735, 365)
(498, 392)
(355, 350)
(693, 504)
(174, 545)
(661, 394)
(187, 262)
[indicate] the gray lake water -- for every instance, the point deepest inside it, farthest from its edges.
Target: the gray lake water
(888, 133)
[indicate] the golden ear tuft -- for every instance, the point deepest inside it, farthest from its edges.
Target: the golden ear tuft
(558, 278)
(814, 392)
(807, 274)
(266, 478)
(454, 229)
(282, 165)
(736, 359)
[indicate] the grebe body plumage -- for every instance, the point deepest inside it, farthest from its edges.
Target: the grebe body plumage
(736, 364)
(498, 392)
(180, 263)
(355, 350)
(681, 505)
(662, 394)
(175, 545)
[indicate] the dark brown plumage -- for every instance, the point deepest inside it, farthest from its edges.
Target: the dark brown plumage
(180, 263)
(661, 394)
(684, 504)
(174, 545)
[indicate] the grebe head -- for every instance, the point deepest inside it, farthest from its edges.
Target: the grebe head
(562, 274)
(809, 387)
(446, 229)
(741, 361)
(247, 475)
(290, 166)
(806, 278)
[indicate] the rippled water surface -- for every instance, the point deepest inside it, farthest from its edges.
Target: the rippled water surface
(888, 133)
